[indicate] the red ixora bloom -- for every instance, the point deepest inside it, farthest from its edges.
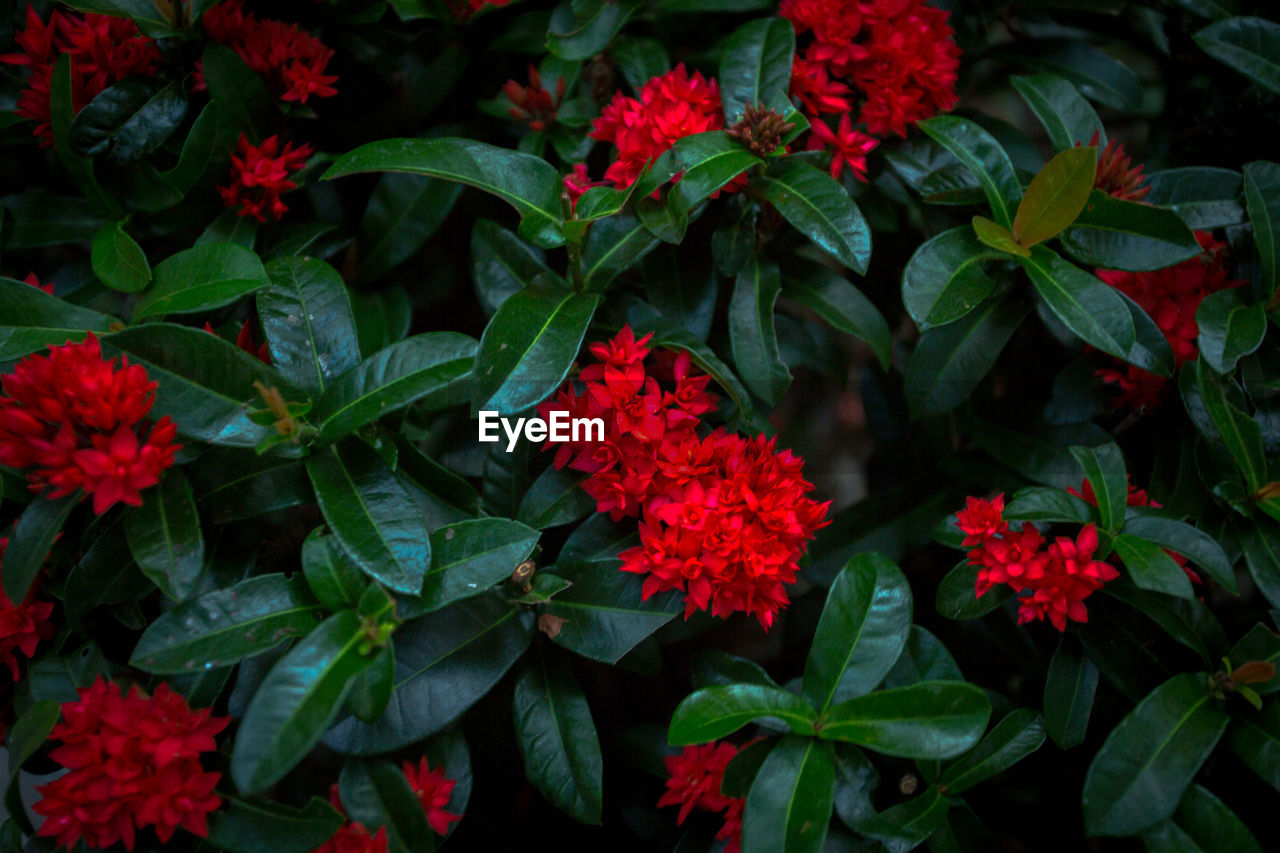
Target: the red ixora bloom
(1171, 296)
(352, 836)
(134, 761)
(76, 421)
(850, 146)
(103, 50)
(696, 774)
(22, 626)
(260, 175)
(290, 59)
(1116, 177)
(1136, 497)
(533, 104)
(670, 107)
(434, 791)
(724, 518)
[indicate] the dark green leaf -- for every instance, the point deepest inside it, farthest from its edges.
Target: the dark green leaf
(557, 738)
(818, 207)
(863, 629)
(332, 576)
(957, 597)
(1097, 74)
(755, 67)
(403, 211)
(752, 337)
(1151, 567)
(789, 806)
(1104, 469)
(251, 826)
(1260, 643)
(528, 347)
(201, 278)
(297, 701)
(710, 160)
(1042, 503)
(118, 261)
(227, 625)
(907, 825)
(1093, 310)
(612, 245)
(376, 794)
(1146, 763)
(837, 301)
(1150, 350)
(714, 712)
(1128, 235)
(581, 30)
(62, 109)
(529, 184)
(1208, 823)
(33, 535)
(1068, 118)
(1069, 687)
(38, 218)
(932, 719)
(947, 278)
(744, 767)
(469, 557)
(1203, 196)
(129, 120)
(605, 611)
(1056, 196)
(924, 658)
(1255, 739)
(165, 537)
(1262, 195)
(307, 319)
(981, 153)
(31, 320)
(1240, 433)
(555, 498)
(1194, 544)
(371, 515)
(1248, 45)
(1019, 734)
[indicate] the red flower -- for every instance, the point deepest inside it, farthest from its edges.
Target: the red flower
(696, 775)
(134, 761)
(577, 182)
(1115, 175)
(291, 60)
(818, 93)
(244, 340)
(1171, 296)
(22, 626)
(850, 146)
(352, 836)
(434, 791)
(77, 420)
(260, 175)
(670, 107)
(103, 50)
(533, 104)
(1136, 497)
(982, 519)
(35, 282)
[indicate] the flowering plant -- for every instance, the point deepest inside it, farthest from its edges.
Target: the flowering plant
(922, 489)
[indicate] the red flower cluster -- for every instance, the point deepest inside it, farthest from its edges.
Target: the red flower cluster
(1136, 497)
(22, 626)
(431, 788)
(670, 107)
(352, 836)
(1171, 296)
(1116, 175)
(290, 59)
(1051, 581)
(103, 50)
(78, 421)
(724, 517)
(898, 56)
(533, 104)
(134, 762)
(696, 775)
(260, 175)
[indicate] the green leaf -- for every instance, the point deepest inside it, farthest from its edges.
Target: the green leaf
(932, 719)
(297, 701)
(755, 66)
(376, 794)
(37, 218)
(1128, 235)
(612, 245)
(239, 93)
(744, 767)
(557, 738)
(669, 336)
(789, 805)
(1240, 433)
(752, 337)
(1067, 117)
(837, 301)
(201, 148)
(118, 261)
(950, 361)
(1093, 310)
(225, 626)
(529, 184)
(1150, 350)
(1204, 822)
(817, 206)
(1205, 197)
(469, 557)
(61, 113)
(201, 278)
(580, 30)
(1104, 469)
(861, 633)
(250, 826)
(205, 382)
(1262, 195)
(332, 576)
(979, 151)
(306, 316)
(31, 320)
(424, 367)
(1248, 45)
(1069, 688)
(1255, 739)
(165, 537)
(1017, 735)
(1194, 544)
(715, 712)
(924, 658)
(1151, 567)
(371, 515)
(129, 120)
(710, 160)
(908, 824)
(606, 614)
(445, 662)
(141, 12)
(946, 277)
(1043, 503)
(33, 535)
(1056, 196)
(528, 347)
(1260, 643)
(554, 499)
(996, 236)
(403, 212)
(1098, 75)
(1146, 763)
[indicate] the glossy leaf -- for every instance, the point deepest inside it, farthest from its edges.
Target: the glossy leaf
(1114, 233)
(979, 151)
(376, 794)
(581, 30)
(1240, 433)
(932, 719)
(1146, 763)
(403, 212)
(752, 336)
(946, 277)
(224, 626)
(714, 712)
(924, 658)
(1067, 117)
(1104, 469)
(1259, 644)
(613, 245)
(555, 498)
(1017, 735)
(165, 536)
(817, 206)
(118, 261)
(201, 278)
(502, 263)
(1093, 310)
(837, 301)
(1262, 195)
(1194, 544)
(1255, 739)
(957, 597)
(33, 535)
(1248, 45)
(755, 67)
(1070, 684)
(1043, 503)
(1056, 196)
(1205, 197)
(371, 515)
(1151, 567)
(789, 805)
(307, 318)
(31, 319)
(250, 826)
(469, 557)
(1098, 75)
(995, 236)
(129, 119)
(605, 612)
(710, 160)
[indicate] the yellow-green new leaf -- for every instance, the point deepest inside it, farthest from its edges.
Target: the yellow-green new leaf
(1056, 196)
(998, 237)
